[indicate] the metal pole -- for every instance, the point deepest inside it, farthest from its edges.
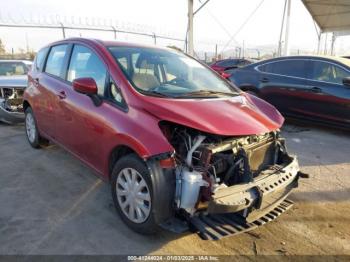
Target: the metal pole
(281, 33)
(190, 27)
(319, 43)
(115, 32)
(286, 37)
(63, 31)
(334, 37)
(155, 38)
(243, 50)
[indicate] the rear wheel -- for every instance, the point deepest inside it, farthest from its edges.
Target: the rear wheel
(133, 195)
(33, 136)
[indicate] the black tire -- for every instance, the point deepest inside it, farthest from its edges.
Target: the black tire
(149, 226)
(37, 141)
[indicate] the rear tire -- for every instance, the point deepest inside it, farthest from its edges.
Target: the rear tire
(32, 132)
(132, 194)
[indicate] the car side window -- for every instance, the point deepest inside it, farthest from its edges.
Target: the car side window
(40, 59)
(55, 60)
(328, 72)
(295, 68)
(115, 94)
(85, 63)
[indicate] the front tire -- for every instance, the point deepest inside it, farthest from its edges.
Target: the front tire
(132, 194)
(32, 132)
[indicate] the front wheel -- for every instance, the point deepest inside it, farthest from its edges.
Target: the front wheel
(132, 194)
(33, 136)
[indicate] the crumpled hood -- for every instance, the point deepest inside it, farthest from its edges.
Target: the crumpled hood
(235, 116)
(14, 81)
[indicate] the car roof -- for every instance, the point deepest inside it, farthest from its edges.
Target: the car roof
(336, 59)
(106, 43)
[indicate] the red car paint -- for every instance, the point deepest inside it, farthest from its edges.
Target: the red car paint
(218, 69)
(91, 133)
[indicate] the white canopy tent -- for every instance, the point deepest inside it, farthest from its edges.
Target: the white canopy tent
(330, 16)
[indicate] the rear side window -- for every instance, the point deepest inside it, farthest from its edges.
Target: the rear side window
(85, 63)
(55, 60)
(40, 59)
(295, 68)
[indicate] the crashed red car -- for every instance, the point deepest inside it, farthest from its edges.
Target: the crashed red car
(181, 147)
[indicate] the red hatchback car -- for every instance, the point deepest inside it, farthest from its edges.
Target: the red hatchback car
(181, 147)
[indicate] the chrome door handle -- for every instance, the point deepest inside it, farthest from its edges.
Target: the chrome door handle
(316, 89)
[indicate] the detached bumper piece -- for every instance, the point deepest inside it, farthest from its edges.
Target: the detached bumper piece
(11, 107)
(217, 226)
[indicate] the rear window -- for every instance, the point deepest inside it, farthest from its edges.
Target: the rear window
(295, 68)
(55, 60)
(9, 68)
(40, 59)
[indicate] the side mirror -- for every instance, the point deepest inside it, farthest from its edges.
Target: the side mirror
(346, 81)
(87, 86)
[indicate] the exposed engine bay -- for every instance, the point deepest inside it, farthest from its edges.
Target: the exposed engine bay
(11, 104)
(219, 174)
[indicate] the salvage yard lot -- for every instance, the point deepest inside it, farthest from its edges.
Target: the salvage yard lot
(50, 203)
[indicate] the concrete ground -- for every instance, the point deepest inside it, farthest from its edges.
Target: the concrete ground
(50, 203)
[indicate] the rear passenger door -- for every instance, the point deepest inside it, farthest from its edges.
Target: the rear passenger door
(283, 84)
(48, 85)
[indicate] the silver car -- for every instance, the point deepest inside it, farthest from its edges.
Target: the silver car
(13, 81)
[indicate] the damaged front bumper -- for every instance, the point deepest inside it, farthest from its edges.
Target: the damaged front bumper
(11, 105)
(9, 117)
(241, 208)
(257, 198)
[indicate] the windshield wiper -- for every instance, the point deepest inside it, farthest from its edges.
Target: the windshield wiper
(207, 92)
(155, 93)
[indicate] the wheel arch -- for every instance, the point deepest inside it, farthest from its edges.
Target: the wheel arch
(118, 152)
(26, 105)
(249, 87)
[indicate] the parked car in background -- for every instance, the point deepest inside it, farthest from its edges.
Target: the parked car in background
(180, 146)
(13, 81)
(221, 66)
(306, 87)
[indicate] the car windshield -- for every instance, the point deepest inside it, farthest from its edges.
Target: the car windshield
(9, 68)
(169, 73)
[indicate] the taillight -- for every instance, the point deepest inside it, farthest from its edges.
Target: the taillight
(225, 75)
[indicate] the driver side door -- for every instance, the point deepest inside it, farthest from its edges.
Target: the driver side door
(329, 98)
